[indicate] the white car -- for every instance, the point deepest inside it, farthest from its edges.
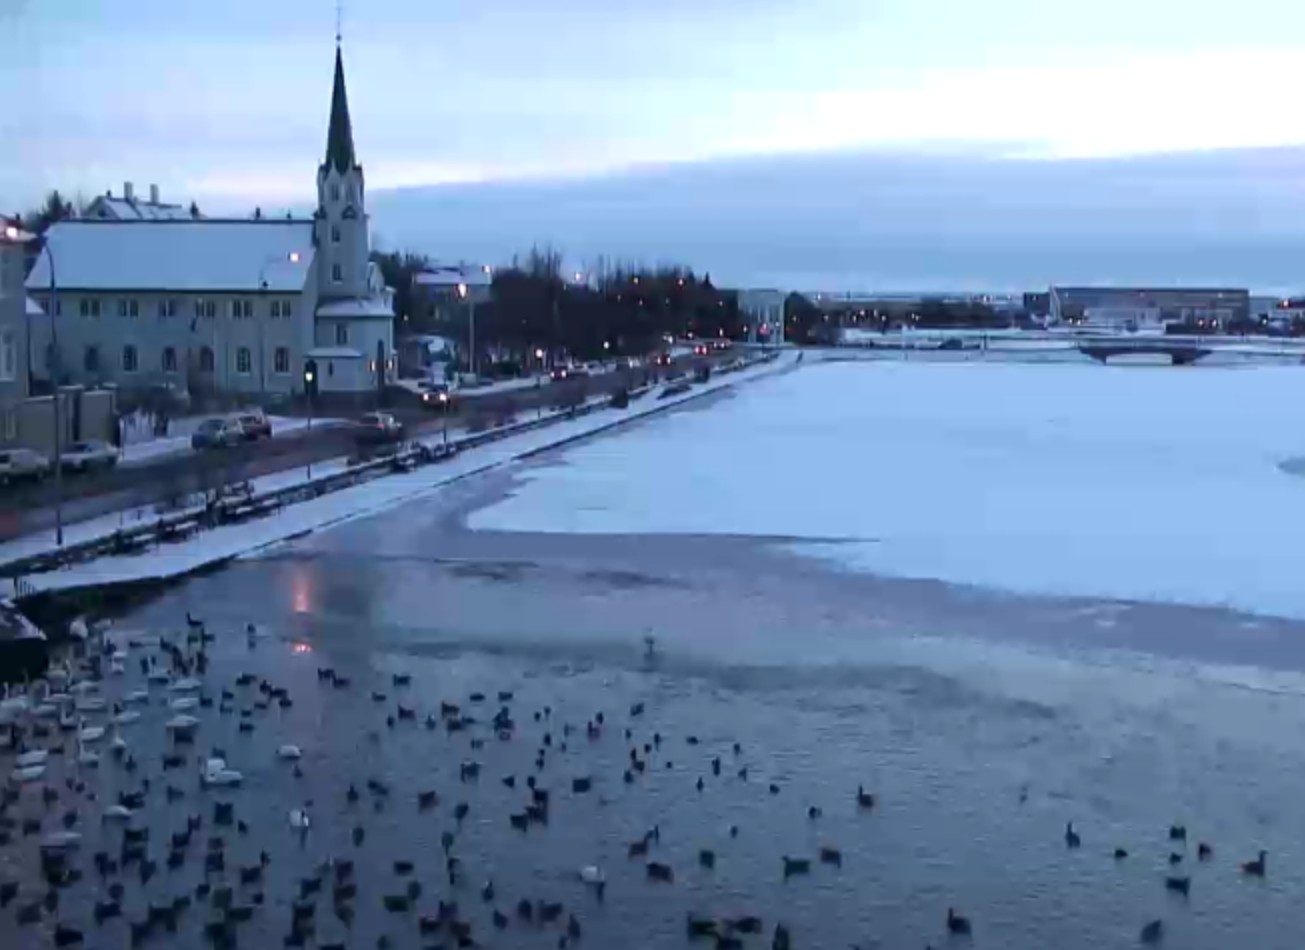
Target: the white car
(22, 465)
(88, 455)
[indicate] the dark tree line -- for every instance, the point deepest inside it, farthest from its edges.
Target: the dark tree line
(533, 306)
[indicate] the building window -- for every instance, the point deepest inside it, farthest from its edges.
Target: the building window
(242, 308)
(8, 356)
(337, 273)
(169, 360)
(335, 191)
(167, 308)
(341, 334)
(58, 305)
(205, 360)
(91, 359)
(129, 308)
(335, 234)
(281, 360)
(199, 307)
(243, 361)
(129, 359)
(89, 307)
(276, 308)
(210, 308)
(11, 424)
(286, 308)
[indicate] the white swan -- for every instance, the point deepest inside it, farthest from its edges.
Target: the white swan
(84, 687)
(117, 813)
(592, 874)
(186, 684)
(158, 676)
(86, 758)
(89, 733)
(181, 723)
(78, 629)
(216, 773)
(126, 717)
(182, 703)
(300, 820)
(30, 773)
(118, 744)
(117, 667)
(91, 704)
(289, 752)
(32, 757)
(137, 696)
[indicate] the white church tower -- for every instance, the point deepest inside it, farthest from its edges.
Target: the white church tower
(341, 205)
(354, 327)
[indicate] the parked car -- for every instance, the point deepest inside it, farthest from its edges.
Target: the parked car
(701, 349)
(88, 455)
(217, 434)
(662, 359)
(565, 372)
(18, 465)
(379, 428)
(255, 425)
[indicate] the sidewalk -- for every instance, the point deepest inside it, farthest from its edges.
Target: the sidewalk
(226, 542)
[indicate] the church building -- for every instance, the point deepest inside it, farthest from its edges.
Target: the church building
(225, 305)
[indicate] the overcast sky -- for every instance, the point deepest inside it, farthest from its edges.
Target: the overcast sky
(227, 101)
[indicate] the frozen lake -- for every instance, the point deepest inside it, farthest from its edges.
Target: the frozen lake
(1148, 483)
(984, 719)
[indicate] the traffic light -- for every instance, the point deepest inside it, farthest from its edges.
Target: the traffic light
(310, 378)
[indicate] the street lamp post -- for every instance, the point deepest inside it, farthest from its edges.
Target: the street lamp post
(471, 344)
(444, 405)
(54, 388)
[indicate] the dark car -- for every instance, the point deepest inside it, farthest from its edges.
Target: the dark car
(255, 425)
(217, 434)
(377, 428)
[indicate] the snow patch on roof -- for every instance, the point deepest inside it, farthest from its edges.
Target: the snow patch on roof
(206, 255)
(356, 307)
(334, 353)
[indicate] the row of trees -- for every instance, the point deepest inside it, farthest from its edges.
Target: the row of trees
(532, 306)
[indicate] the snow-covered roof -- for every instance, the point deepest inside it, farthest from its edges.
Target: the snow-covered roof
(334, 353)
(450, 275)
(34, 308)
(207, 255)
(120, 209)
(356, 307)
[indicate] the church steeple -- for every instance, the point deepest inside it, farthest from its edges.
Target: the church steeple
(339, 138)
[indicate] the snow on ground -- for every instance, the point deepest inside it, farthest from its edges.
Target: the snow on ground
(345, 504)
(1140, 483)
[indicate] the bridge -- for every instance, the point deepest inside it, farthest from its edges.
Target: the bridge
(1180, 354)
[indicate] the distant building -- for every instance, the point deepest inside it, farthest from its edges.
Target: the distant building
(13, 327)
(148, 296)
(1130, 309)
(762, 311)
(130, 208)
(442, 291)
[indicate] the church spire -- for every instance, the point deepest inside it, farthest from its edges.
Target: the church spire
(339, 138)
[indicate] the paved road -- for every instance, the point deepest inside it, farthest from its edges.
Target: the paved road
(28, 509)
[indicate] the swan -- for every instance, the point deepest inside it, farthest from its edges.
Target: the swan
(117, 813)
(158, 676)
(592, 874)
(184, 703)
(300, 820)
(87, 733)
(217, 773)
(83, 687)
(118, 744)
(187, 684)
(137, 696)
(78, 629)
(181, 723)
(86, 758)
(32, 757)
(117, 667)
(126, 717)
(91, 704)
(30, 773)
(289, 752)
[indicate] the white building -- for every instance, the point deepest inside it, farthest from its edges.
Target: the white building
(763, 313)
(232, 306)
(130, 208)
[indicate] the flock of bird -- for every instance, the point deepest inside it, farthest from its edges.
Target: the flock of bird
(77, 722)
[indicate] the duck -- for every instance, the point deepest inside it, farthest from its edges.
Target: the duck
(289, 752)
(794, 866)
(1177, 832)
(1179, 885)
(1152, 932)
(957, 923)
(1071, 836)
(1257, 867)
(864, 799)
(1204, 852)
